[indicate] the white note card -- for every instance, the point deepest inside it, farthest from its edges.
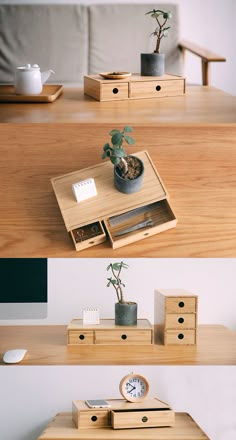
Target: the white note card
(84, 189)
(91, 316)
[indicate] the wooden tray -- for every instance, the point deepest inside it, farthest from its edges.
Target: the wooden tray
(49, 94)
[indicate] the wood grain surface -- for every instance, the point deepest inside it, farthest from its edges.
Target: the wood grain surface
(200, 105)
(62, 428)
(196, 164)
(46, 345)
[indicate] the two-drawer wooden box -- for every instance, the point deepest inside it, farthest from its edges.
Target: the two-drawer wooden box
(175, 317)
(133, 87)
(63, 427)
(110, 212)
(121, 414)
(107, 333)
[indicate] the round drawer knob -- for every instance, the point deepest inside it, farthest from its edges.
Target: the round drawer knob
(181, 304)
(144, 419)
(123, 336)
(158, 88)
(81, 337)
(115, 90)
(94, 418)
(181, 336)
(181, 320)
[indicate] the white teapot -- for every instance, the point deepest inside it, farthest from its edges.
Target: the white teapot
(29, 80)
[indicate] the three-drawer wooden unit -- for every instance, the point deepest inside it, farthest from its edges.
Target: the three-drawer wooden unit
(107, 333)
(175, 317)
(121, 414)
(133, 87)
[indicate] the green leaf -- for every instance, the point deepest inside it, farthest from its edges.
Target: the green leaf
(116, 139)
(105, 154)
(129, 140)
(116, 266)
(106, 147)
(114, 132)
(127, 129)
(119, 152)
(124, 265)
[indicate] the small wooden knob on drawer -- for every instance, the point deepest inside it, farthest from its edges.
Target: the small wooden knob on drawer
(123, 336)
(181, 320)
(181, 336)
(115, 91)
(158, 88)
(81, 337)
(181, 304)
(144, 419)
(94, 418)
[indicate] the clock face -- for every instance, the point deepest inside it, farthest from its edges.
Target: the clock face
(134, 387)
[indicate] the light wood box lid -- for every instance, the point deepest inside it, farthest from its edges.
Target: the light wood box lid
(108, 201)
(176, 293)
(109, 324)
(135, 77)
(122, 404)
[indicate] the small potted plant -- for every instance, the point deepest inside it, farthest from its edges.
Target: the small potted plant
(153, 64)
(125, 312)
(128, 169)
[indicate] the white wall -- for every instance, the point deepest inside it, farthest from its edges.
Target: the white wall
(33, 395)
(75, 284)
(209, 23)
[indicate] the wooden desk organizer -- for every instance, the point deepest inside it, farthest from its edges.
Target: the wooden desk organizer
(150, 413)
(175, 317)
(107, 333)
(92, 221)
(133, 87)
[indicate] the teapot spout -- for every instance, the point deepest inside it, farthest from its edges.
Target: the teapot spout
(45, 75)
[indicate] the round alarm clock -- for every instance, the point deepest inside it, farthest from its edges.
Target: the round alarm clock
(134, 387)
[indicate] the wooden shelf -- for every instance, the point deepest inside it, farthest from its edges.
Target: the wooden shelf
(197, 166)
(63, 428)
(47, 345)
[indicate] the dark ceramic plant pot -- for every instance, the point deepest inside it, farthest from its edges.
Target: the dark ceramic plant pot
(152, 64)
(129, 186)
(126, 313)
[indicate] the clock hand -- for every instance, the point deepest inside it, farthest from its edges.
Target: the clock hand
(133, 388)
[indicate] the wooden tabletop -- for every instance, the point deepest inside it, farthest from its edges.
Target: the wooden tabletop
(200, 105)
(46, 345)
(62, 428)
(197, 166)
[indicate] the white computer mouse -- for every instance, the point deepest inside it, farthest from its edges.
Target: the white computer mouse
(14, 356)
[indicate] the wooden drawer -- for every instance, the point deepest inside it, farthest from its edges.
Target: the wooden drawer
(113, 91)
(80, 337)
(123, 337)
(159, 213)
(179, 321)
(176, 337)
(93, 419)
(145, 418)
(181, 304)
(88, 235)
(156, 89)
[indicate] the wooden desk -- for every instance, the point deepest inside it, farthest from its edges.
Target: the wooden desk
(197, 166)
(46, 345)
(62, 428)
(200, 105)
